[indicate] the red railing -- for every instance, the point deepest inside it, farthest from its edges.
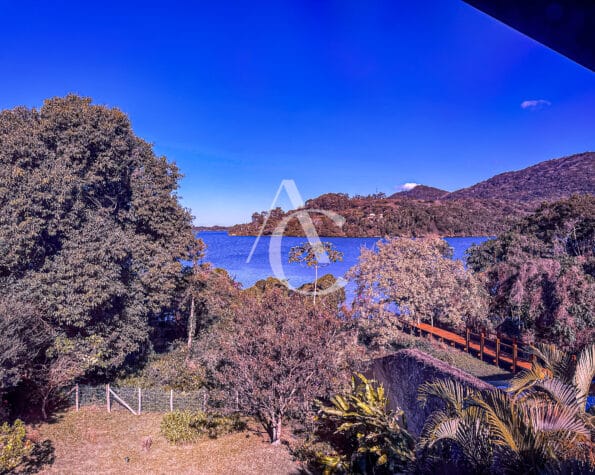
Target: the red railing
(501, 351)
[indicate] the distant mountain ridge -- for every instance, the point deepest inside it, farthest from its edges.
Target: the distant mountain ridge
(547, 181)
(487, 208)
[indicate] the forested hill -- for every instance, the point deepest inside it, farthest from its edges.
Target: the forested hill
(487, 208)
(421, 192)
(375, 216)
(546, 181)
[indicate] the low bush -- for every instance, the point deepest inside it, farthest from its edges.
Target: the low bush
(180, 427)
(14, 446)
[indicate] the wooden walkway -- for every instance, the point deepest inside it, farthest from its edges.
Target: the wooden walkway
(499, 351)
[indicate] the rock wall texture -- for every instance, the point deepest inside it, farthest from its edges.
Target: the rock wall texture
(404, 372)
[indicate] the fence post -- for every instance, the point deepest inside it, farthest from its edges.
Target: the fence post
(514, 355)
(467, 338)
(107, 398)
(140, 404)
(237, 401)
(498, 351)
(481, 343)
(171, 400)
(76, 398)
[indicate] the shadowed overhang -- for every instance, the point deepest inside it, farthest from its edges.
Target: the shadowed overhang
(566, 26)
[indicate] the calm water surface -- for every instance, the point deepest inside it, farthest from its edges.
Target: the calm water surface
(231, 252)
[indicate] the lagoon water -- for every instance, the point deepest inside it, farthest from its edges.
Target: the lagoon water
(230, 253)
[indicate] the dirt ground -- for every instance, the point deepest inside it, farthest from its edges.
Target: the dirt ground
(94, 442)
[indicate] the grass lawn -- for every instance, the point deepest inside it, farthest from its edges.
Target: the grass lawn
(93, 441)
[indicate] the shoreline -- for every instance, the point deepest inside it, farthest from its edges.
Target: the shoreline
(360, 237)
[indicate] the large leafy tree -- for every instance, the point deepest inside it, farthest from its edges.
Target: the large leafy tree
(541, 273)
(91, 230)
(415, 279)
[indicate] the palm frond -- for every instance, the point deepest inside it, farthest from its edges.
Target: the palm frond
(501, 417)
(451, 392)
(437, 426)
(554, 390)
(525, 379)
(584, 372)
(554, 360)
(557, 422)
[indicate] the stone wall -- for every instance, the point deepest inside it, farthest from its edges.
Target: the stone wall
(403, 372)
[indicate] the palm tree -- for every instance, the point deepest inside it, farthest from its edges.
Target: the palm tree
(456, 422)
(558, 376)
(562, 378)
(493, 432)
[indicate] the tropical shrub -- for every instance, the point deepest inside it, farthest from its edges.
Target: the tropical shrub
(180, 427)
(14, 446)
(365, 436)
(492, 432)
(560, 378)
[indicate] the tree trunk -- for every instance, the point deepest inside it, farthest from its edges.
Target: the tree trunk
(191, 326)
(315, 282)
(44, 402)
(276, 432)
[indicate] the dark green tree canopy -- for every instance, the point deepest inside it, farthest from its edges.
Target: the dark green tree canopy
(91, 229)
(541, 273)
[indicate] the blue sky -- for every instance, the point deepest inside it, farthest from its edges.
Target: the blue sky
(348, 96)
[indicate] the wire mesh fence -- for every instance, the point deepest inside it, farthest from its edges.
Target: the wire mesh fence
(139, 400)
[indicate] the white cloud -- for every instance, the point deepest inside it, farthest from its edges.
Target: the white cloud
(535, 104)
(408, 186)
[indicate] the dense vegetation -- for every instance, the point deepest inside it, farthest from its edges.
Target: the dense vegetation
(547, 181)
(378, 216)
(414, 280)
(102, 280)
(541, 274)
(421, 192)
(91, 238)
